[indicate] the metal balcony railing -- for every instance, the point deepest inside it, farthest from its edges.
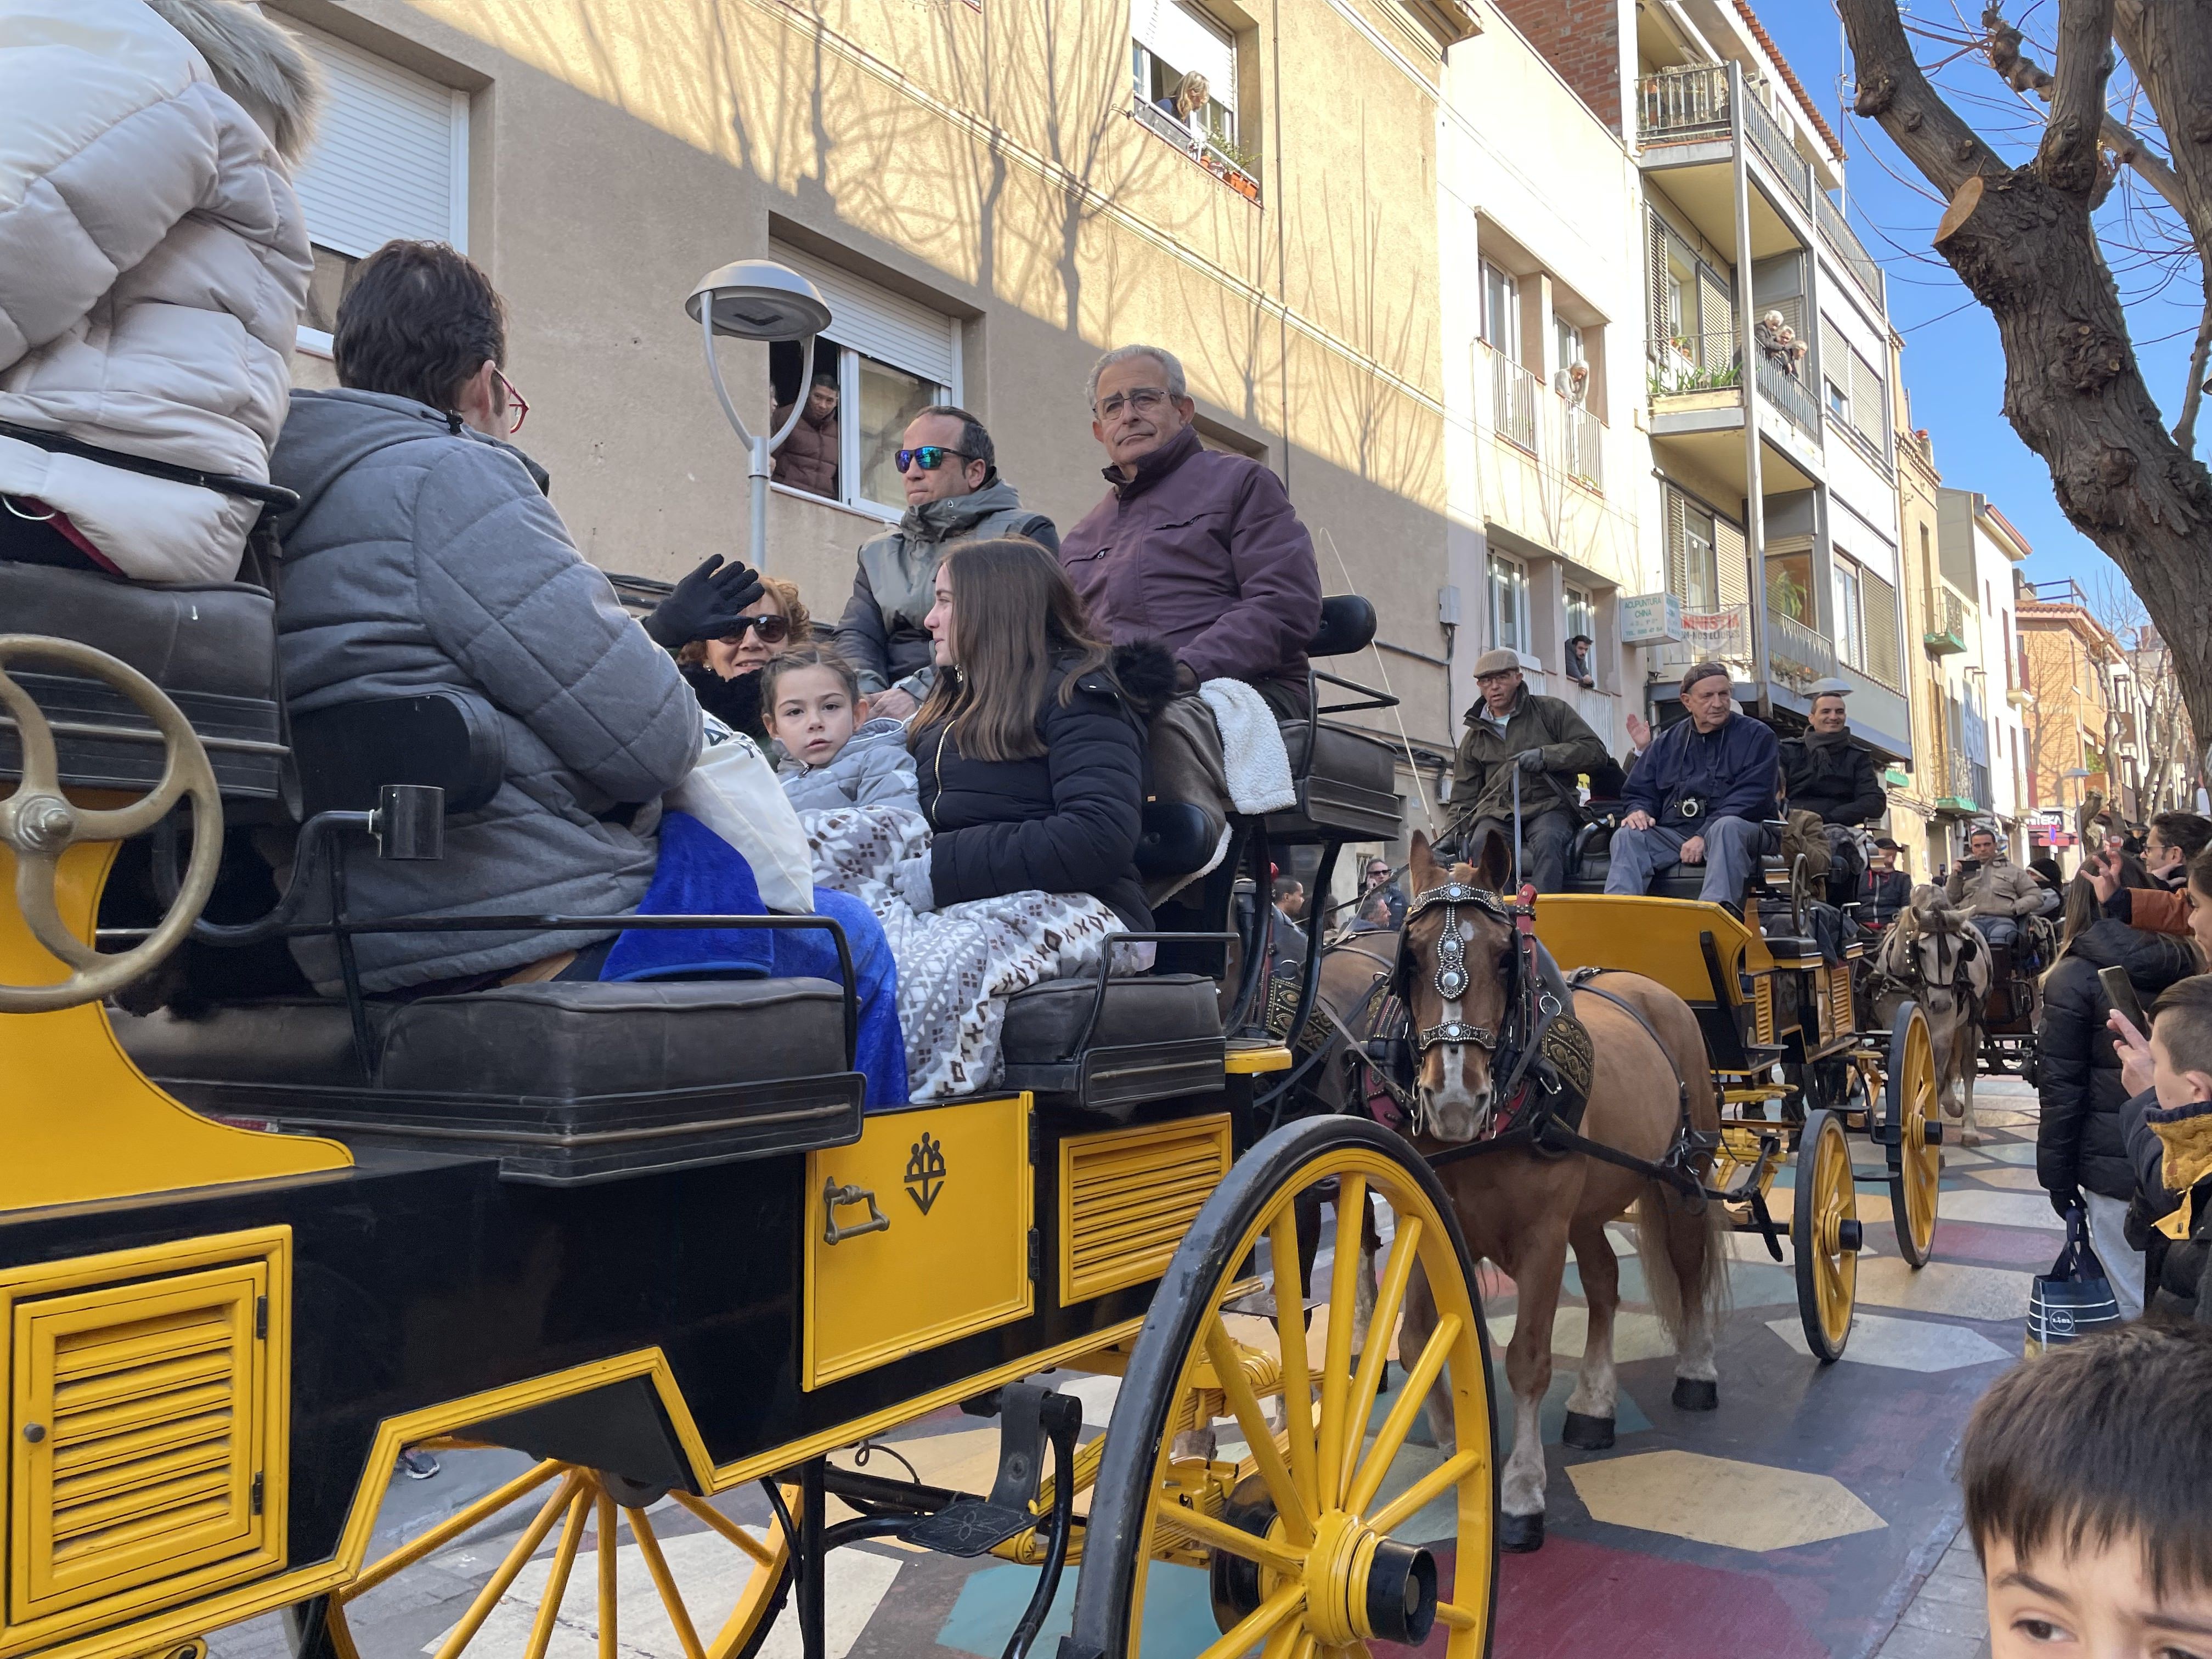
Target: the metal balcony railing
(1682, 103)
(1836, 232)
(1950, 620)
(1789, 394)
(1694, 362)
(1774, 145)
(1796, 655)
(1207, 154)
(1513, 394)
(1582, 448)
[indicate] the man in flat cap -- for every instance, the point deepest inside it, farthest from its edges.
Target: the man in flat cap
(1700, 794)
(1510, 730)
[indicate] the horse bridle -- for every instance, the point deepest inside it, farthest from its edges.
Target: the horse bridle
(1451, 980)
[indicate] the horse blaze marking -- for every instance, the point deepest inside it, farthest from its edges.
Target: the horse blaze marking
(925, 1171)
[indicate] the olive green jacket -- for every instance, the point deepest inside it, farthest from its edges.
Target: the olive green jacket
(1482, 776)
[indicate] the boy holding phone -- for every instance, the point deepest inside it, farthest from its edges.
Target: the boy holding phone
(2168, 1125)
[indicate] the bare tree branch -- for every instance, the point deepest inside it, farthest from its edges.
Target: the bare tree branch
(1892, 90)
(2129, 147)
(2067, 156)
(2184, 429)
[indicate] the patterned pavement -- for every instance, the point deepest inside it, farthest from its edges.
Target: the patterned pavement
(1815, 1514)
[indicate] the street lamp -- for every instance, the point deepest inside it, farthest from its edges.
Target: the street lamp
(758, 300)
(2080, 779)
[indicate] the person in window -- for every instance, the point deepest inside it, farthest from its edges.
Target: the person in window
(1700, 794)
(1186, 107)
(1030, 757)
(1512, 732)
(1199, 549)
(953, 494)
(154, 264)
(1577, 664)
(1825, 772)
(721, 648)
(807, 459)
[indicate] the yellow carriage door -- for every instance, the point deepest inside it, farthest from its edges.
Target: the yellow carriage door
(139, 1461)
(917, 1234)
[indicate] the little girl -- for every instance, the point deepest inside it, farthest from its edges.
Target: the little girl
(833, 754)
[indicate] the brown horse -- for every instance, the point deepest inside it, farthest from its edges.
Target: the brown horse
(1523, 1209)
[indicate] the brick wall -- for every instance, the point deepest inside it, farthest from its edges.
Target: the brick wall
(1581, 39)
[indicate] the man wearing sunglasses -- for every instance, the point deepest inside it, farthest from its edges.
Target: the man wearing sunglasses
(1200, 550)
(953, 494)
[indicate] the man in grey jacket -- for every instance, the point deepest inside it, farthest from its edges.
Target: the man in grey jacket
(953, 494)
(424, 555)
(1996, 892)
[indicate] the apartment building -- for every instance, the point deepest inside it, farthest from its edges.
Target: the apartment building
(1934, 629)
(1979, 697)
(1769, 508)
(986, 197)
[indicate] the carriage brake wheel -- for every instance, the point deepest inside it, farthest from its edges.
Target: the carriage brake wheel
(1319, 1538)
(1909, 1106)
(1823, 1234)
(589, 1499)
(38, 822)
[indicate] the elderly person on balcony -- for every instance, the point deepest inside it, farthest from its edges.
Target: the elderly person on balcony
(1701, 793)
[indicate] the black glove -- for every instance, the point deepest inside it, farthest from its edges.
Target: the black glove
(2066, 1201)
(1529, 760)
(705, 605)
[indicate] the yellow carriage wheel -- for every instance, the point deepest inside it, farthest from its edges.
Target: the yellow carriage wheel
(1328, 1533)
(1823, 1234)
(1910, 1108)
(569, 1501)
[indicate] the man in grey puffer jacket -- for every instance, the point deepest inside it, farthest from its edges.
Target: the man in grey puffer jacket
(424, 555)
(953, 494)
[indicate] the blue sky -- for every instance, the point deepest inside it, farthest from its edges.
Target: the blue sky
(1953, 365)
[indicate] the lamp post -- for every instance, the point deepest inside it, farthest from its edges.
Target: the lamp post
(757, 300)
(2080, 779)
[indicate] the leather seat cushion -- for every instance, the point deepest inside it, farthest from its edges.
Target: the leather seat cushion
(554, 1041)
(219, 639)
(1341, 756)
(1045, 1023)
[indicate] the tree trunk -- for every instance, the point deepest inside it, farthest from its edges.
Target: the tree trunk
(2028, 252)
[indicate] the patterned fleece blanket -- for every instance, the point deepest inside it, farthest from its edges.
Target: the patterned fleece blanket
(956, 966)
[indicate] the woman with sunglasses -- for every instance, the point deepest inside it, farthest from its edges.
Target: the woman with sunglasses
(725, 623)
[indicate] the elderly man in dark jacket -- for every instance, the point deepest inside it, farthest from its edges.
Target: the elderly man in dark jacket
(1512, 732)
(1200, 550)
(1700, 794)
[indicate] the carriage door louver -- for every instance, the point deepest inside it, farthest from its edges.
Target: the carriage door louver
(138, 1412)
(1128, 1196)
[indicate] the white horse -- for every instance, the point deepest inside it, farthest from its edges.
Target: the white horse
(1937, 957)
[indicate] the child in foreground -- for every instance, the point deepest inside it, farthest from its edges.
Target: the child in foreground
(2088, 1483)
(833, 754)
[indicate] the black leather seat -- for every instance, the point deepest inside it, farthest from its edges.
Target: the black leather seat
(565, 1084)
(1346, 780)
(212, 648)
(1145, 1039)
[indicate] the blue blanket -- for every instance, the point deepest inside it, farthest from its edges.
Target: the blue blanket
(699, 873)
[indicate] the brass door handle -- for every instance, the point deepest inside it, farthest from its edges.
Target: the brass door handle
(832, 1196)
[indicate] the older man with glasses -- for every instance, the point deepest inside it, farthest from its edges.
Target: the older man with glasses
(953, 494)
(1199, 549)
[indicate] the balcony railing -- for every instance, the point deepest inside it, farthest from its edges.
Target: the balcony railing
(1836, 232)
(1682, 103)
(1207, 154)
(1694, 362)
(1712, 633)
(1772, 142)
(1788, 393)
(1950, 619)
(1796, 655)
(1513, 394)
(1582, 448)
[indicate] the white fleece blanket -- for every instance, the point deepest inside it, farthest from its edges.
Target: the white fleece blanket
(1252, 752)
(956, 966)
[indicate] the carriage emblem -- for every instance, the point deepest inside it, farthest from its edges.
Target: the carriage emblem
(925, 1171)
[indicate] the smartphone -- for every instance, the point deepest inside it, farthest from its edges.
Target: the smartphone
(2120, 992)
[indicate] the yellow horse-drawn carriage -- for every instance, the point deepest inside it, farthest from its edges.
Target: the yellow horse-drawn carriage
(1795, 1073)
(647, 1234)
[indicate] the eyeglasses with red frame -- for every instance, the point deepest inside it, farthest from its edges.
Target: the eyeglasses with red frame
(518, 406)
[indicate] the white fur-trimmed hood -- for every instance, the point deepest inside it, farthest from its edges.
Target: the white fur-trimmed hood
(257, 62)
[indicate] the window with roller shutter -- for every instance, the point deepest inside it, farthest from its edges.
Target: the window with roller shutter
(1884, 646)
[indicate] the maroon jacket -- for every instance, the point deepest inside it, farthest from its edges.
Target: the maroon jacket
(808, 459)
(1204, 552)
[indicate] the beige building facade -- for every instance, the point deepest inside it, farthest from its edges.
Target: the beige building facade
(989, 198)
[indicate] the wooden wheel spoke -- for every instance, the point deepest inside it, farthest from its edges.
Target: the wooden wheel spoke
(1457, 1617)
(1262, 1621)
(525, 1547)
(1336, 1364)
(1298, 1378)
(556, 1583)
(1290, 1641)
(1267, 1456)
(602, 1522)
(1234, 1540)
(729, 1529)
(448, 1529)
(1389, 1302)
(1424, 1492)
(1390, 1438)
(648, 1545)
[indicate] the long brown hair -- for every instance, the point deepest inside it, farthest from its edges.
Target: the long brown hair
(1015, 617)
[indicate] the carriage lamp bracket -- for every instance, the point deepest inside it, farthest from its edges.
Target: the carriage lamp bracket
(834, 1195)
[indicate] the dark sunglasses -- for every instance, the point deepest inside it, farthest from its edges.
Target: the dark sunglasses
(932, 456)
(772, 630)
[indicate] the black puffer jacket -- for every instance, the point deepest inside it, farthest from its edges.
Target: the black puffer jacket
(1065, 821)
(1835, 779)
(2080, 1142)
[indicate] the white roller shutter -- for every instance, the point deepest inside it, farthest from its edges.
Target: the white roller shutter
(879, 324)
(391, 153)
(1179, 35)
